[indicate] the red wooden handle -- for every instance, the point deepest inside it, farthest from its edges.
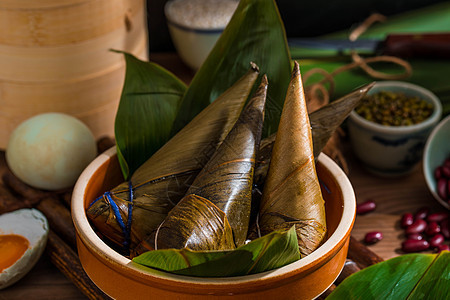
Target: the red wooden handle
(434, 45)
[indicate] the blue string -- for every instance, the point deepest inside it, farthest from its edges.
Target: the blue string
(130, 212)
(92, 203)
(116, 211)
(325, 186)
(125, 229)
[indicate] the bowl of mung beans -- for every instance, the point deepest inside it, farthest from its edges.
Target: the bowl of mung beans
(389, 128)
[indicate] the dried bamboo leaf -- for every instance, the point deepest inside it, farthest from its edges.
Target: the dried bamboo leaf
(292, 194)
(157, 186)
(235, 167)
(225, 183)
(181, 227)
(324, 122)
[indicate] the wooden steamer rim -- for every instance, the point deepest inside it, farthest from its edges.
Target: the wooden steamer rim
(52, 23)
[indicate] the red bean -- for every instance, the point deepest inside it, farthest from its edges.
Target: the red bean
(373, 237)
(436, 240)
(432, 228)
(418, 226)
(448, 190)
(407, 219)
(365, 207)
(415, 236)
(442, 188)
(445, 170)
(447, 162)
(437, 217)
(421, 213)
(445, 229)
(438, 173)
(415, 245)
(443, 247)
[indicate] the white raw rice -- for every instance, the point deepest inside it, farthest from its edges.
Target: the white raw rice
(202, 14)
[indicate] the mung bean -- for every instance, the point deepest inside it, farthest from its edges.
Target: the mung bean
(394, 109)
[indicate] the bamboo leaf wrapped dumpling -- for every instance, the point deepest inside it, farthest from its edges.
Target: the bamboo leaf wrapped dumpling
(215, 213)
(324, 123)
(133, 209)
(292, 194)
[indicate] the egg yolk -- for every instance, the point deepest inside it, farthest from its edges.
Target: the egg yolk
(12, 247)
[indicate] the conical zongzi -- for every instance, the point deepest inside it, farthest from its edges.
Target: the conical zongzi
(132, 210)
(292, 194)
(324, 123)
(215, 213)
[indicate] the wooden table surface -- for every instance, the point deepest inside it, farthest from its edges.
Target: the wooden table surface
(392, 196)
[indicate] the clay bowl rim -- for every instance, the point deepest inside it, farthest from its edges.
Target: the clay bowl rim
(321, 255)
(402, 86)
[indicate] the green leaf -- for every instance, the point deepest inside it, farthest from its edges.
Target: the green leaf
(271, 251)
(152, 106)
(256, 34)
(411, 276)
(147, 108)
(435, 284)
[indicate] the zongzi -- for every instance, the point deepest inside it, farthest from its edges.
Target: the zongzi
(132, 210)
(215, 213)
(292, 194)
(324, 123)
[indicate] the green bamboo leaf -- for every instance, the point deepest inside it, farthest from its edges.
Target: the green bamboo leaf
(147, 108)
(275, 250)
(271, 251)
(411, 276)
(255, 33)
(435, 284)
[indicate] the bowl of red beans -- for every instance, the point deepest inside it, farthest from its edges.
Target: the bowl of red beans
(436, 162)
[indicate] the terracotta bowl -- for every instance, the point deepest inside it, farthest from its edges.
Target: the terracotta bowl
(120, 278)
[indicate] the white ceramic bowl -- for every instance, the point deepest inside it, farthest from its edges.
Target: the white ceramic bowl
(437, 149)
(392, 150)
(121, 278)
(192, 41)
(193, 45)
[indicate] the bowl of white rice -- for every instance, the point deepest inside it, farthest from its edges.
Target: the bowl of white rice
(195, 26)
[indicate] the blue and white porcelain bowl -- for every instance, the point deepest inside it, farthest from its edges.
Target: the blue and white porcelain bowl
(392, 150)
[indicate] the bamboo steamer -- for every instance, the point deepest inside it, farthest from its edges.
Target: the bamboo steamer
(55, 56)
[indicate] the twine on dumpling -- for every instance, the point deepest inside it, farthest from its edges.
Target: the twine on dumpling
(126, 229)
(130, 214)
(117, 214)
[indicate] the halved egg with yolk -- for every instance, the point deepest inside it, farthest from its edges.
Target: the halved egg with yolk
(23, 236)
(12, 247)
